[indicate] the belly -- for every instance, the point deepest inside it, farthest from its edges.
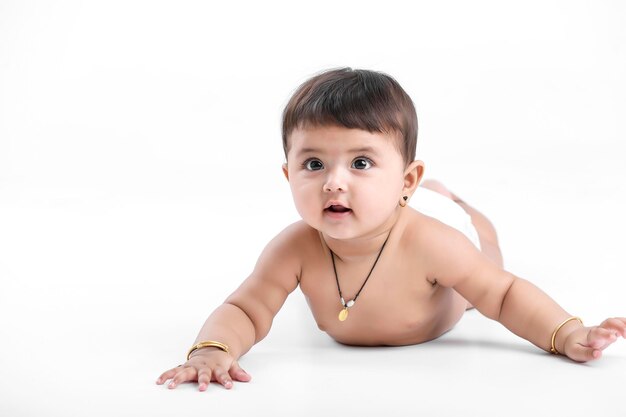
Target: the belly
(376, 322)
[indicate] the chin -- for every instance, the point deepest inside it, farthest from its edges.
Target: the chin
(344, 234)
(339, 236)
(333, 232)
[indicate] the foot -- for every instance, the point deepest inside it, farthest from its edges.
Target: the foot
(438, 187)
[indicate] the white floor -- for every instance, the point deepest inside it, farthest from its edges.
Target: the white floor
(140, 178)
(98, 301)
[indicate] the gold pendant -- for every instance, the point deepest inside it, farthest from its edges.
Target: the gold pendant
(343, 314)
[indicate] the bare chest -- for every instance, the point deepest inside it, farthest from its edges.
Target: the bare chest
(396, 306)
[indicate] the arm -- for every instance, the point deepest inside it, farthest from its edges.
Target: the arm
(530, 313)
(516, 303)
(244, 318)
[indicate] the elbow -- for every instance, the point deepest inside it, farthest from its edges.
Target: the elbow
(258, 324)
(506, 292)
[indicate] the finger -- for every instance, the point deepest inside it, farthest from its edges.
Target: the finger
(223, 378)
(188, 373)
(581, 353)
(238, 374)
(599, 337)
(204, 378)
(620, 325)
(167, 375)
(617, 324)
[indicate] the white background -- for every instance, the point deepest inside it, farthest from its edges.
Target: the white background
(140, 177)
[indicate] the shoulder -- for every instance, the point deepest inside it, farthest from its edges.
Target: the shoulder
(277, 270)
(422, 231)
(443, 250)
(284, 253)
(295, 237)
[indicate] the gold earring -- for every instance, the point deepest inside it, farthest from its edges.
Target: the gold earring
(404, 200)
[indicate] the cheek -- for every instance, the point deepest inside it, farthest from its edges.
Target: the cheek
(303, 196)
(383, 196)
(389, 187)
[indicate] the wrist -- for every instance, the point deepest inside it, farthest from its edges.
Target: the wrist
(204, 350)
(563, 332)
(206, 344)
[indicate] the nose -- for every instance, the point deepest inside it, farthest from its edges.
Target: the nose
(335, 181)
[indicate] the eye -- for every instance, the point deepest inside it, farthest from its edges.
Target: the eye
(313, 165)
(362, 163)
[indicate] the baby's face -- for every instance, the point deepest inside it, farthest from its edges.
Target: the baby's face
(346, 183)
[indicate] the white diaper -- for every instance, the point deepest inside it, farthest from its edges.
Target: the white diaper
(435, 205)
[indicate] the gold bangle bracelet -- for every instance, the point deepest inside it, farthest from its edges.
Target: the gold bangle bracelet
(208, 343)
(552, 343)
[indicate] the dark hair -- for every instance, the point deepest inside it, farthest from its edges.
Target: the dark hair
(362, 99)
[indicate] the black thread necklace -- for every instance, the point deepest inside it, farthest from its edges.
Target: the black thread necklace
(343, 314)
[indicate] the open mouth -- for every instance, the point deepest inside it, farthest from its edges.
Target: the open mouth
(338, 209)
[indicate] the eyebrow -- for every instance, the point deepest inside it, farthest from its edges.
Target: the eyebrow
(367, 149)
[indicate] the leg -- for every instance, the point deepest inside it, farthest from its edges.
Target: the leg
(486, 232)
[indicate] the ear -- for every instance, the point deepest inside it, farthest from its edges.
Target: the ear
(412, 176)
(286, 171)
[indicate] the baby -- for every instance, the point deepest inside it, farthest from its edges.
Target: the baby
(375, 271)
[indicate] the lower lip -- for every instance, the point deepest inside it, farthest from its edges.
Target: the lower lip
(337, 215)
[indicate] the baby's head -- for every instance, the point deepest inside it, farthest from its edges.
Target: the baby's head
(355, 99)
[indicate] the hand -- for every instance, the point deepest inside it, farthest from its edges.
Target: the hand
(204, 366)
(587, 343)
